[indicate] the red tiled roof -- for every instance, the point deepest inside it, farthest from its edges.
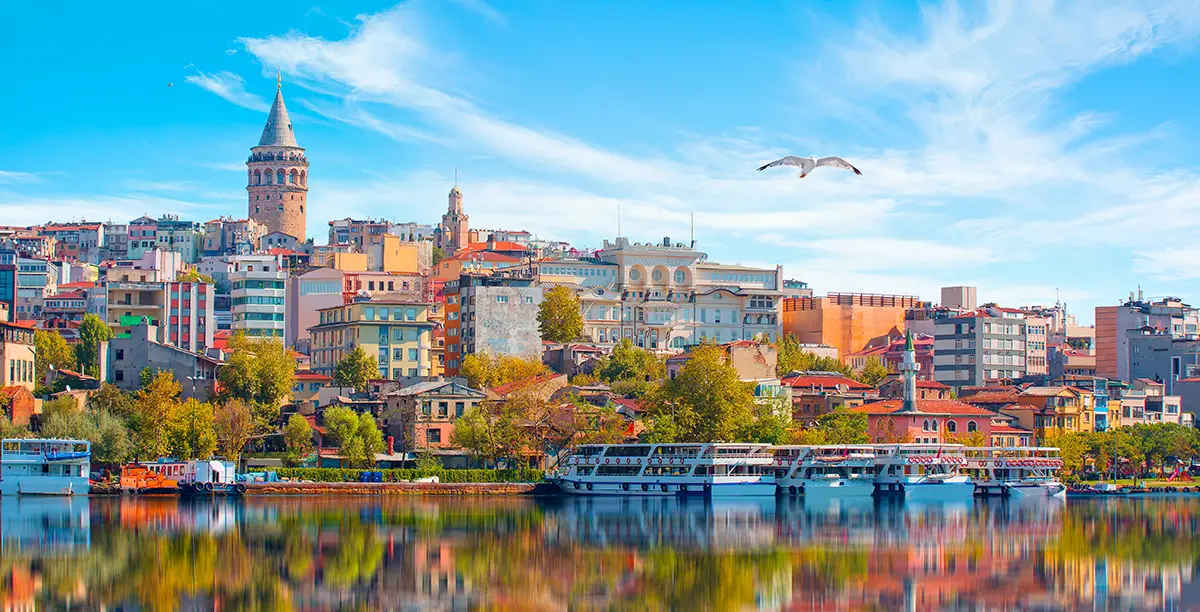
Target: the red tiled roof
(28, 323)
(79, 285)
(817, 381)
(524, 382)
(70, 295)
(312, 376)
(1003, 429)
(632, 404)
(925, 406)
(482, 256)
(499, 245)
(283, 251)
(992, 397)
(11, 391)
(930, 384)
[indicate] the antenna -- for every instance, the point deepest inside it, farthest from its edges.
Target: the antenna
(618, 219)
(456, 177)
(693, 221)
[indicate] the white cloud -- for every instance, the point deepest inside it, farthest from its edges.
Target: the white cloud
(229, 86)
(10, 176)
(483, 9)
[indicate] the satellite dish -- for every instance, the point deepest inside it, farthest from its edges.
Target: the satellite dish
(68, 388)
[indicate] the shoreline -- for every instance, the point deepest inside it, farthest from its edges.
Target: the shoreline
(391, 488)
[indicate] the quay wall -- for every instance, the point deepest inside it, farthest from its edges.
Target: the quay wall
(390, 488)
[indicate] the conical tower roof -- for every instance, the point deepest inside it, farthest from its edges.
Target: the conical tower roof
(278, 131)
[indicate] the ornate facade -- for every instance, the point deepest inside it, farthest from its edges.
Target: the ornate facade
(277, 175)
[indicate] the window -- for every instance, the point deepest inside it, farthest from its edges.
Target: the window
(501, 299)
(412, 314)
(398, 354)
(528, 299)
(656, 275)
(458, 408)
(635, 275)
(925, 425)
(119, 375)
(951, 426)
(971, 426)
(120, 356)
(412, 354)
(433, 436)
(680, 275)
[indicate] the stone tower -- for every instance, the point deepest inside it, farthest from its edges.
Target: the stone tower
(277, 174)
(453, 234)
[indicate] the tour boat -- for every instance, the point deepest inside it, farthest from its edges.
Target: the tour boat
(825, 471)
(711, 470)
(1016, 471)
(45, 467)
(922, 472)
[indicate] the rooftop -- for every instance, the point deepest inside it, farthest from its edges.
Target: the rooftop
(925, 406)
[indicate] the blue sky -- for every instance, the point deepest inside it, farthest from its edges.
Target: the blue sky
(1033, 150)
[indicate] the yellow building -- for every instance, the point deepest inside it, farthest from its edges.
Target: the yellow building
(1057, 410)
(396, 333)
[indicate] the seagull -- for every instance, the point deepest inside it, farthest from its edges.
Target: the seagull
(807, 164)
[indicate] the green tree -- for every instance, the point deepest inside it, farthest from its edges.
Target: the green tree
(192, 276)
(559, 316)
(772, 423)
(357, 435)
(108, 398)
(838, 427)
(355, 369)
(631, 363)
(114, 442)
(974, 439)
(298, 436)
(438, 255)
(92, 332)
(261, 373)
(234, 425)
(67, 424)
(793, 356)
(189, 430)
(145, 376)
(873, 372)
(51, 349)
(495, 430)
(1073, 447)
(483, 370)
(8, 430)
(705, 402)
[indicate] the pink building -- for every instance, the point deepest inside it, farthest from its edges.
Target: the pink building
(931, 422)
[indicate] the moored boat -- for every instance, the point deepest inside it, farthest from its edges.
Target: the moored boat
(1016, 471)
(922, 472)
(38, 466)
(704, 469)
(825, 471)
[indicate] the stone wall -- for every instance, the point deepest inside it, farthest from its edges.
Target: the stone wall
(387, 488)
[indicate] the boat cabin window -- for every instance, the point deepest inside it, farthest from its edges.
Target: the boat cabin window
(618, 470)
(667, 470)
(671, 450)
(628, 451)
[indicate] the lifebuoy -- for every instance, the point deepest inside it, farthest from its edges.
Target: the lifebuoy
(664, 488)
(624, 486)
(589, 486)
(240, 488)
(645, 487)
(208, 486)
(606, 461)
(577, 486)
(792, 489)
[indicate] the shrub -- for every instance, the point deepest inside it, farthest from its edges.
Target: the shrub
(405, 474)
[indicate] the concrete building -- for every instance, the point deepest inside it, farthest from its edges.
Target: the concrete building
(8, 284)
(77, 241)
(277, 240)
(819, 393)
(396, 333)
(891, 352)
(137, 289)
(229, 236)
(186, 237)
(1170, 316)
(667, 296)
(257, 295)
(421, 418)
(307, 294)
(143, 348)
(358, 233)
(960, 297)
(1037, 337)
(143, 236)
(115, 243)
(753, 361)
(277, 175)
(190, 320)
(36, 280)
(494, 314)
(16, 356)
(979, 347)
(413, 232)
(391, 254)
(849, 322)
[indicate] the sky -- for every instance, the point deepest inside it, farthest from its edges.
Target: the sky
(1036, 150)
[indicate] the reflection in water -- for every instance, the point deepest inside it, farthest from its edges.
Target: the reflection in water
(595, 553)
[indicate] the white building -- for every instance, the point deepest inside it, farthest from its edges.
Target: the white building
(257, 295)
(668, 296)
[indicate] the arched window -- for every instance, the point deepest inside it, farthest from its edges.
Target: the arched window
(268, 176)
(279, 176)
(680, 276)
(952, 426)
(301, 208)
(294, 177)
(971, 426)
(258, 177)
(304, 177)
(925, 425)
(935, 424)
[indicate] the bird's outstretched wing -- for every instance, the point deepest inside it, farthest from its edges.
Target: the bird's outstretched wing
(837, 162)
(790, 160)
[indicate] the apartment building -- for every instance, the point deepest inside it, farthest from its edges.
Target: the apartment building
(491, 313)
(980, 347)
(396, 333)
(257, 295)
(1114, 324)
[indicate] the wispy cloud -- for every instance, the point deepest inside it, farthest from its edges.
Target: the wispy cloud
(483, 9)
(229, 86)
(10, 176)
(229, 166)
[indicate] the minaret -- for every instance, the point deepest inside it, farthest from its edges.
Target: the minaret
(909, 368)
(277, 174)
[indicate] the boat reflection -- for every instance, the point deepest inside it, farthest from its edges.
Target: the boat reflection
(596, 553)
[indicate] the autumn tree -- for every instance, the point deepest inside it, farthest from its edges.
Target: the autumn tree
(191, 275)
(705, 402)
(189, 430)
(560, 318)
(355, 369)
(108, 398)
(973, 439)
(793, 356)
(153, 407)
(233, 424)
(260, 373)
(298, 436)
(483, 370)
(630, 370)
(92, 332)
(50, 350)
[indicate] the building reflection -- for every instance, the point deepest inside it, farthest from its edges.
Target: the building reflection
(551, 554)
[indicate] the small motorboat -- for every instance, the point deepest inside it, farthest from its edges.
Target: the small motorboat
(1106, 489)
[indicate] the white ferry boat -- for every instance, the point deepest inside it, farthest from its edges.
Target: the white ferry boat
(825, 471)
(45, 467)
(1016, 471)
(711, 470)
(923, 472)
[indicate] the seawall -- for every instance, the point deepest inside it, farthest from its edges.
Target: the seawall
(390, 488)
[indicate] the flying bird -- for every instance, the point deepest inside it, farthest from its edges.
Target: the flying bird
(807, 164)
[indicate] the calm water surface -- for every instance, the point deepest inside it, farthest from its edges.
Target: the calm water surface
(557, 554)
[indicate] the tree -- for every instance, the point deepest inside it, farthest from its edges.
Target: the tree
(631, 363)
(298, 437)
(495, 430)
(109, 398)
(974, 439)
(153, 407)
(192, 276)
(234, 425)
(483, 370)
(559, 316)
(145, 376)
(795, 357)
(705, 402)
(189, 430)
(772, 423)
(8, 430)
(438, 255)
(355, 369)
(113, 443)
(357, 435)
(92, 331)
(873, 372)
(51, 350)
(260, 373)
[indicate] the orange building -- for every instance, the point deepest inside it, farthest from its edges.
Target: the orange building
(846, 321)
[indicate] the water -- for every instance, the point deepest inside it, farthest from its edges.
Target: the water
(603, 554)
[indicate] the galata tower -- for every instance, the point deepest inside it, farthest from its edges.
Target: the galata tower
(277, 174)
